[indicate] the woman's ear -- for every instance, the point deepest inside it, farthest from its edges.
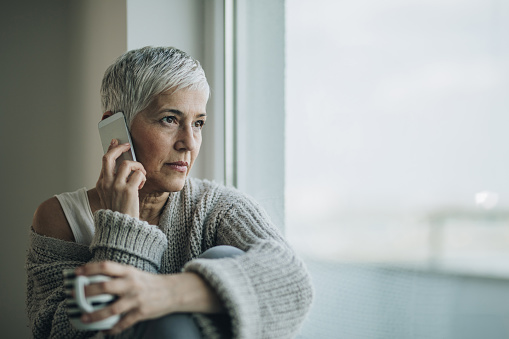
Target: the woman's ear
(107, 115)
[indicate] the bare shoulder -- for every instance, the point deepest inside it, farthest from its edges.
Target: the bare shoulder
(49, 220)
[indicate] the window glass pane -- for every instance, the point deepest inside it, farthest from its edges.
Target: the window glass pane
(396, 131)
(396, 165)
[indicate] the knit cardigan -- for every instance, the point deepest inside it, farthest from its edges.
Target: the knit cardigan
(266, 291)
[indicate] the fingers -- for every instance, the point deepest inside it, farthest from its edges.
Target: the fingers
(137, 180)
(118, 285)
(141, 295)
(114, 286)
(118, 190)
(109, 159)
(120, 306)
(109, 268)
(124, 172)
(122, 285)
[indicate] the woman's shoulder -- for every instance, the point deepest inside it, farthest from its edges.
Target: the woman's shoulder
(219, 195)
(49, 220)
(202, 188)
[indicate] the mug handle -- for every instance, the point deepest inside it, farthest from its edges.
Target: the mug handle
(79, 288)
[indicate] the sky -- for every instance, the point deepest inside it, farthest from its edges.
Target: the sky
(395, 110)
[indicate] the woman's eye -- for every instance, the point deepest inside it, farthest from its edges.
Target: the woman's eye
(199, 124)
(169, 119)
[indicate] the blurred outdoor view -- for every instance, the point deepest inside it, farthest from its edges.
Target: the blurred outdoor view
(397, 165)
(397, 120)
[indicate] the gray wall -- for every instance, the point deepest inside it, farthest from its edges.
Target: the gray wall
(53, 56)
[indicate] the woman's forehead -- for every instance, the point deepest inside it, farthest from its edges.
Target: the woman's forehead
(186, 100)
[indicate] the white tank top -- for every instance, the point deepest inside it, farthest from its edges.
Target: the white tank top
(78, 214)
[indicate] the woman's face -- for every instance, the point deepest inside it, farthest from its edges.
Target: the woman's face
(167, 137)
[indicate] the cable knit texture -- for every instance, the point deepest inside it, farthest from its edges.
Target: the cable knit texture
(266, 291)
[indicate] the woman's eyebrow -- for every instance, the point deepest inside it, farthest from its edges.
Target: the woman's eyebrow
(174, 111)
(179, 113)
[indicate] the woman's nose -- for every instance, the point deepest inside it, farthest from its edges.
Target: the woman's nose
(186, 140)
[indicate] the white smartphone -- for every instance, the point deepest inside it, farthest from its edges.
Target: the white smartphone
(115, 127)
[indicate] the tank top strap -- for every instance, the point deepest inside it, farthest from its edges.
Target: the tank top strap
(77, 211)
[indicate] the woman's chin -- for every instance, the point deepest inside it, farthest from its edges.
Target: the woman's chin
(174, 185)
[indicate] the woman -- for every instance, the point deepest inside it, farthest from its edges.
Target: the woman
(263, 292)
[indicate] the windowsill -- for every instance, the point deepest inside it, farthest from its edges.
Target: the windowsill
(475, 268)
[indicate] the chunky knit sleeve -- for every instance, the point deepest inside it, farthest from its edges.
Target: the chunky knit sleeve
(267, 291)
(118, 237)
(45, 297)
(127, 240)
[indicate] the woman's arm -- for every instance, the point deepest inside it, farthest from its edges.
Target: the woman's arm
(49, 220)
(267, 291)
(118, 237)
(144, 295)
(134, 245)
(51, 250)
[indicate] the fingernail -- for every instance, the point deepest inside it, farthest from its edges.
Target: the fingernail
(112, 142)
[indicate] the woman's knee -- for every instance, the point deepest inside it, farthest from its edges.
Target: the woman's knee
(222, 251)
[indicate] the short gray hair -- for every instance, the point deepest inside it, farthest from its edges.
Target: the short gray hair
(137, 76)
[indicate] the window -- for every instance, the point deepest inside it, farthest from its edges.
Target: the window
(396, 171)
(396, 132)
(258, 101)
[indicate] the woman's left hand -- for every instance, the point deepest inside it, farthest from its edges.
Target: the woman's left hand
(143, 295)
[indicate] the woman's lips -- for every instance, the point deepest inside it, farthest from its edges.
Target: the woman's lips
(179, 166)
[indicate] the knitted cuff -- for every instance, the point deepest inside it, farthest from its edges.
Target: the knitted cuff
(266, 291)
(124, 239)
(235, 291)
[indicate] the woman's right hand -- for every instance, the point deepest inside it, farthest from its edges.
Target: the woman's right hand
(118, 190)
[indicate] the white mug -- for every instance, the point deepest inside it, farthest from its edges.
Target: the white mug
(80, 304)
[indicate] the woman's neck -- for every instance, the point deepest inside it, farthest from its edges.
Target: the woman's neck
(151, 206)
